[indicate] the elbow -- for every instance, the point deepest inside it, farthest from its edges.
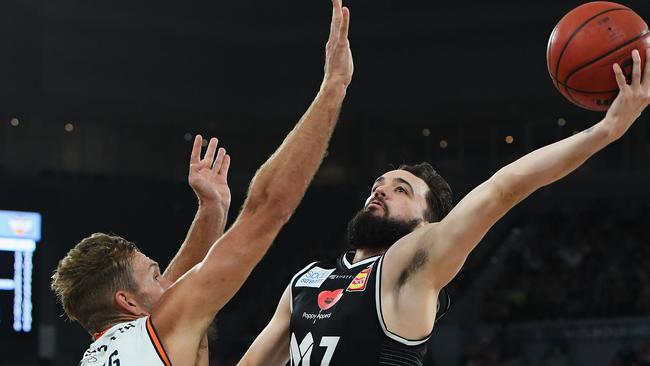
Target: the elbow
(505, 189)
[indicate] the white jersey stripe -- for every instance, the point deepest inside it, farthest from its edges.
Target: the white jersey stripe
(293, 280)
(380, 316)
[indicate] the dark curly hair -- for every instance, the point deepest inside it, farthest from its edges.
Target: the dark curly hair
(439, 198)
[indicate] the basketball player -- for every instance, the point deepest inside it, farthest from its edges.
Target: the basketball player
(208, 177)
(154, 322)
(377, 305)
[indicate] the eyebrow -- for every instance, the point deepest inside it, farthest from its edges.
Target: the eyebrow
(398, 179)
(402, 180)
(154, 264)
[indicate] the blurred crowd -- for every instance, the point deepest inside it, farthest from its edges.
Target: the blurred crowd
(628, 355)
(494, 348)
(491, 353)
(570, 263)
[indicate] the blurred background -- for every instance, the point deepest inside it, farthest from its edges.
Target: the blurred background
(99, 102)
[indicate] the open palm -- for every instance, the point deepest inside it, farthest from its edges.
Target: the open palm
(208, 177)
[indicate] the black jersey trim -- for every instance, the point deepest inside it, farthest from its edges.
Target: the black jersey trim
(293, 280)
(349, 265)
(380, 316)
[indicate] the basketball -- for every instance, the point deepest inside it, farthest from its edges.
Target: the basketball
(586, 43)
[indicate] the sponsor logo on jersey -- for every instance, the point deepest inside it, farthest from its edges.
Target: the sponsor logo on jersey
(314, 277)
(359, 282)
(301, 352)
(314, 317)
(341, 277)
(327, 299)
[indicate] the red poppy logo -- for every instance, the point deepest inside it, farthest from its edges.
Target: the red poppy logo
(327, 299)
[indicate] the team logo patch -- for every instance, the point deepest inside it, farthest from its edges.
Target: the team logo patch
(314, 277)
(327, 299)
(359, 282)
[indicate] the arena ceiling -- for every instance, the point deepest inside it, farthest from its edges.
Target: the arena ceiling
(134, 77)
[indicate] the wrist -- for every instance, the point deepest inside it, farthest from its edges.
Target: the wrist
(614, 127)
(213, 204)
(333, 85)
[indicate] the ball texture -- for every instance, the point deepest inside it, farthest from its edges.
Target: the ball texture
(586, 43)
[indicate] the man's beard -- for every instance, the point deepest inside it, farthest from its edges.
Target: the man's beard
(370, 231)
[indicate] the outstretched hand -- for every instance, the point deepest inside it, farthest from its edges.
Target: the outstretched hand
(632, 98)
(338, 56)
(208, 177)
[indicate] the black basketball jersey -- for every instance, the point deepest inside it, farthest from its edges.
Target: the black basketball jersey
(336, 317)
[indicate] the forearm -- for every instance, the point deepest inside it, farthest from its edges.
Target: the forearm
(449, 243)
(546, 165)
(283, 179)
(208, 225)
(275, 192)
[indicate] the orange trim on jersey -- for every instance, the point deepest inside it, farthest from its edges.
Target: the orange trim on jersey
(157, 343)
(98, 335)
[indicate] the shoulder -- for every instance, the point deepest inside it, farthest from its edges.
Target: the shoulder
(124, 341)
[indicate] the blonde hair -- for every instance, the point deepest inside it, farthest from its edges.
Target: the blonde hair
(86, 279)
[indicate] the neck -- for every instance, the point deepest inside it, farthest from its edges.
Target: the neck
(122, 318)
(361, 254)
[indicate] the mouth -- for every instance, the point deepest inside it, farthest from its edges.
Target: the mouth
(375, 204)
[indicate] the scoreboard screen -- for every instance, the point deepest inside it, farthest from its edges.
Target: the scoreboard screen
(19, 233)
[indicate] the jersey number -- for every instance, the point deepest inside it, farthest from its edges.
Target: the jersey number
(301, 353)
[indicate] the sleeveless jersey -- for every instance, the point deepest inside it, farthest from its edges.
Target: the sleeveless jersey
(133, 343)
(336, 317)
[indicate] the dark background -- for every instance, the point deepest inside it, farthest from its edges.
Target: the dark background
(133, 79)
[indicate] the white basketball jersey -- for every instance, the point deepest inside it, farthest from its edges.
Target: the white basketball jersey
(133, 343)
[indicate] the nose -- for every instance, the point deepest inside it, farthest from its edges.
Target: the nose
(379, 192)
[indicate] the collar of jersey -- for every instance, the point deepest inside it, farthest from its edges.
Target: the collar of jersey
(349, 265)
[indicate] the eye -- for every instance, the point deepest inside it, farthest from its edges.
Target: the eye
(400, 189)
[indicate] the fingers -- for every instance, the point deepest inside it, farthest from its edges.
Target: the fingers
(345, 25)
(219, 160)
(196, 150)
(636, 68)
(335, 27)
(646, 69)
(225, 166)
(620, 78)
(212, 148)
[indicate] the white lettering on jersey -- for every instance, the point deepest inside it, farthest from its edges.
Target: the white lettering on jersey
(330, 343)
(314, 277)
(124, 344)
(301, 354)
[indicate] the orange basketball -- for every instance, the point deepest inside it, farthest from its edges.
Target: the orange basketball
(586, 43)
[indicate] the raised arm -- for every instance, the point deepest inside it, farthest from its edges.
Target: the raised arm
(455, 237)
(208, 178)
(420, 264)
(187, 308)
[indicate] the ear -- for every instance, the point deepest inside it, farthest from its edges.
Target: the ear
(126, 303)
